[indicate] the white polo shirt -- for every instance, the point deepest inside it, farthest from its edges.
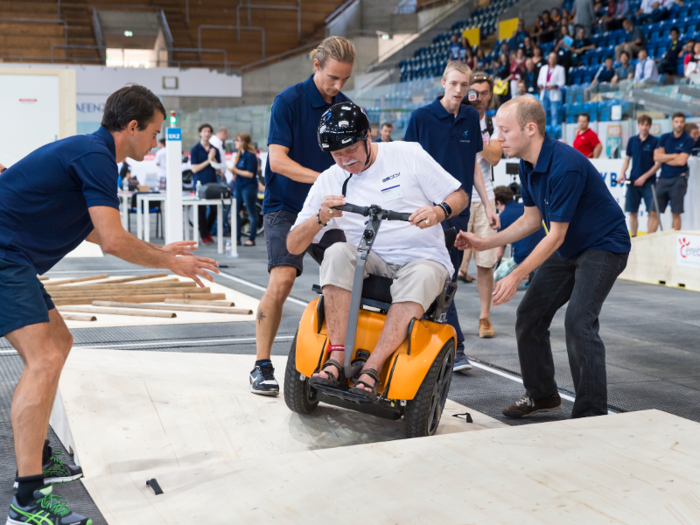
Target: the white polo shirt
(402, 178)
(483, 163)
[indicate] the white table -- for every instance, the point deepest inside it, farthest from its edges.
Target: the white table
(195, 203)
(143, 222)
(125, 202)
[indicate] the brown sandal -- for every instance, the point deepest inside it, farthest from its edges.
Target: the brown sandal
(371, 372)
(331, 380)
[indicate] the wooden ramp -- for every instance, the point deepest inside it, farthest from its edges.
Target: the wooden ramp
(225, 456)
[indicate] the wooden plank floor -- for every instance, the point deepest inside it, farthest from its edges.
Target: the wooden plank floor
(639, 468)
(134, 410)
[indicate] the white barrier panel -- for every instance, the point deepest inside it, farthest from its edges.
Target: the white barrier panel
(609, 170)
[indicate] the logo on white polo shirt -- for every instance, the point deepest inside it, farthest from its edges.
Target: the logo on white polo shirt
(391, 177)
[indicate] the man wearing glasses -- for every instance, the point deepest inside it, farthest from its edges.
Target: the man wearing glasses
(479, 96)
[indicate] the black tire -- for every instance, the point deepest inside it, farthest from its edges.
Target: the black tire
(298, 395)
(423, 412)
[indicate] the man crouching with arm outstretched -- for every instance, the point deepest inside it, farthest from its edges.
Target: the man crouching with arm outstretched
(399, 176)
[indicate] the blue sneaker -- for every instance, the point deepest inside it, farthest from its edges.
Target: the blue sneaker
(461, 363)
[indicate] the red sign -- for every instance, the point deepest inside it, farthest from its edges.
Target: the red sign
(30, 100)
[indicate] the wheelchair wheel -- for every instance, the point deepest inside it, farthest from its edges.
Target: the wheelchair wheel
(423, 412)
(298, 394)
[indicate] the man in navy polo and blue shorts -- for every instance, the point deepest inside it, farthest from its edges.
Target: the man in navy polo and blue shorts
(293, 165)
(51, 201)
(673, 152)
(586, 249)
(451, 133)
(640, 149)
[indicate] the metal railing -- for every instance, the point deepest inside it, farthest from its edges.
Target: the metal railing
(250, 6)
(335, 14)
(99, 37)
(169, 42)
(40, 21)
(247, 28)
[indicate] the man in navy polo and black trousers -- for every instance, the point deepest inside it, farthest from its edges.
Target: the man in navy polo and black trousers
(293, 165)
(451, 133)
(586, 249)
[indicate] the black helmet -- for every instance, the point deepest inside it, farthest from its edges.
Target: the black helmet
(342, 125)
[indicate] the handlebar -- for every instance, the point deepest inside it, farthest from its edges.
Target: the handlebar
(374, 209)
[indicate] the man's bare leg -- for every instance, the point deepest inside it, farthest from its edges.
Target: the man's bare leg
(466, 257)
(44, 349)
(634, 224)
(652, 222)
(393, 334)
(676, 221)
(270, 309)
(337, 306)
(484, 283)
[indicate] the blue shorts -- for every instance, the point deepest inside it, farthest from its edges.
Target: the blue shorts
(634, 197)
(23, 297)
(277, 227)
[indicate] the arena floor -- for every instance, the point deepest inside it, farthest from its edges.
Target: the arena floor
(652, 335)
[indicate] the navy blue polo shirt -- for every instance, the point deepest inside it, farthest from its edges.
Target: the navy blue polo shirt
(671, 144)
(247, 162)
(522, 248)
(604, 74)
(566, 187)
(452, 141)
(198, 155)
(296, 112)
(642, 153)
(44, 198)
(454, 51)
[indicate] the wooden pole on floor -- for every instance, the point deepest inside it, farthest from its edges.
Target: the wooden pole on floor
(139, 278)
(167, 283)
(78, 317)
(179, 308)
(119, 311)
(136, 298)
(141, 291)
(201, 303)
(42, 278)
(79, 279)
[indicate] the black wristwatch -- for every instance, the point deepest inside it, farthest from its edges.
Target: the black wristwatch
(447, 209)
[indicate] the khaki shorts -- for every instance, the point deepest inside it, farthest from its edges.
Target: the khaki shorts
(479, 225)
(418, 281)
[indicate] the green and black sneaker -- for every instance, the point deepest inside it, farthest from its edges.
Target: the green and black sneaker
(56, 470)
(44, 509)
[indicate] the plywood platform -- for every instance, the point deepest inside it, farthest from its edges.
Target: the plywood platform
(132, 411)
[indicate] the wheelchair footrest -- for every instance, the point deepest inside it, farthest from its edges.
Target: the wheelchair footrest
(346, 399)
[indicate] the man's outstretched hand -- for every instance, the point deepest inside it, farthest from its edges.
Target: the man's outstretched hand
(469, 241)
(180, 247)
(505, 290)
(192, 267)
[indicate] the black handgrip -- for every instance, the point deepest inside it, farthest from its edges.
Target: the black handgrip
(397, 216)
(353, 208)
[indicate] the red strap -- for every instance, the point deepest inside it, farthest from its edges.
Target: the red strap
(336, 348)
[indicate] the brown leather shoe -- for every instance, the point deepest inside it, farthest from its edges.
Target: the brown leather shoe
(486, 330)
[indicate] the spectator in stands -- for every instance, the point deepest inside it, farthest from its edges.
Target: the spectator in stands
(693, 131)
(640, 149)
(503, 77)
(529, 79)
(605, 73)
(464, 42)
(537, 28)
(566, 20)
(692, 61)
(538, 60)
(548, 28)
(479, 223)
(161, 160)
(550, 81)
(468, 58)
(625, 71)
(634, 42)
(517, 67)
(584, 15)
(385, 132)
(651, 11)
(510, 211)
(520, 33)
(522, 89)
(505, 48)
(556, 17)
(201, 157)
(688, 52)
(562, 47)
(580, 46)
(245, 166)
(480, 60)
(673, 152)
(455, 47)
(669, 62)
(646, 72)
(587, 141)
(527, 47)
(615, 13)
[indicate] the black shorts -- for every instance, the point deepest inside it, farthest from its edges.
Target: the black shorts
(23, 297)
(277, 226)
(672, 190)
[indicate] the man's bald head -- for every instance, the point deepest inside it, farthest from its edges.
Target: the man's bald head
(527, 110)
